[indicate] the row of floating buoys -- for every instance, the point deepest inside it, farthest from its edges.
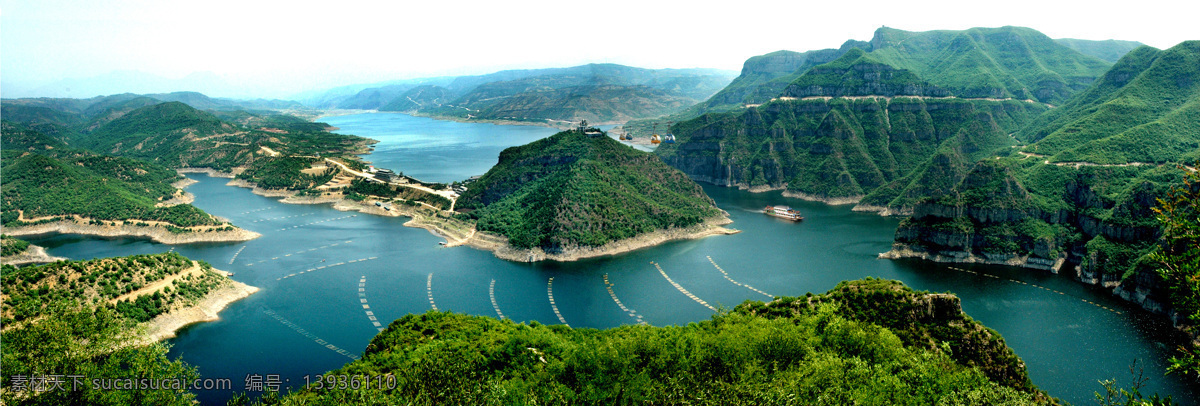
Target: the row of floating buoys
(681, 289)
(429, 288)
(550, 293)
(1036, 286)
(632, 313)
(301, 252)
(492, 294)
(726, 275)
(324, 266)
(254, 211)
(362, 298)
(285, 217)
(235, 255)
(317, 222)
(309, 335)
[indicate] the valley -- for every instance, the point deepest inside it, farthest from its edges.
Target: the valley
(1047, 186)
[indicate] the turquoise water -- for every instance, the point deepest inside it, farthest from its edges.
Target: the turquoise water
(295, 326)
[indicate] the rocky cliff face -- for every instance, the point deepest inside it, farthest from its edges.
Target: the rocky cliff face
(991, 217)
(928, 320)
(841, 148)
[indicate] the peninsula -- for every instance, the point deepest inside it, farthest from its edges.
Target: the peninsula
(106, 318)
(581, 194)
(577, 194)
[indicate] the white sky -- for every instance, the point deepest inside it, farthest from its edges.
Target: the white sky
(275, 49)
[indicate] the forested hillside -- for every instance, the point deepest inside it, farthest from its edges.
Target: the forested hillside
(43, 180)
(865, 342)
(573, 189)
(1083, 190)
(595, 92)
(80, 319)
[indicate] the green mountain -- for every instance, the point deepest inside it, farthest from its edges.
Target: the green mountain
(595, 92)
(842, 149)
(1145, 109)
(176, 135)
(883, 123)
(864, 342)
(110, 158)
(594, 103)
(1108, 50)
(764, 77)
(420, 97)
(572, 190)
(41, 178)
(857, 73)
(172, 134)
(1006, 62)
(1081, 192)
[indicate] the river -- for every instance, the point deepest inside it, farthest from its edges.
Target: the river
(321, 271)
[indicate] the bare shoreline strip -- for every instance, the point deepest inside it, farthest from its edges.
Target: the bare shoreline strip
(166, 325)
(158, 234)
(33, 255)
(497, 244)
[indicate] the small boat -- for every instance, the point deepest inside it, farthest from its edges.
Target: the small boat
(783, 212)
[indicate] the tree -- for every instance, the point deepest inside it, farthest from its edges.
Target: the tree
(1179, 259)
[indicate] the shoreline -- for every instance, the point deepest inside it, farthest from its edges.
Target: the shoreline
(157, 234)
(457, 233)
(832, 201)
(164, 326)
(208, 171)
(499, 245)
(1136, 295)
(542, 123)
(34, 254)
(963, 257)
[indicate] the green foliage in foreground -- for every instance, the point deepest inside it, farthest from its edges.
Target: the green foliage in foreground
(822, 350)
(571, 190)
(66, 331)
(1178, 258)
(91, 344)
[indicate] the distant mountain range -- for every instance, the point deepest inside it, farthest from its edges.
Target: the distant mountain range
(596, 92)
(112, 158)
(1002, 144)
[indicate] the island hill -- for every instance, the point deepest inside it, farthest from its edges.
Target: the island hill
(580, 194)
(108, 165)
(576, 194)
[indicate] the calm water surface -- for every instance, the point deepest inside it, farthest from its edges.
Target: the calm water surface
(306, 322)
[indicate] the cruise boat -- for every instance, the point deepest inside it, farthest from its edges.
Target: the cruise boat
(783, 212)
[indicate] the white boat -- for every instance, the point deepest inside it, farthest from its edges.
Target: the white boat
(783, 212)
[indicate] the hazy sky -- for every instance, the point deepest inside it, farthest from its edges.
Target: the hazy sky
(275, 49)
